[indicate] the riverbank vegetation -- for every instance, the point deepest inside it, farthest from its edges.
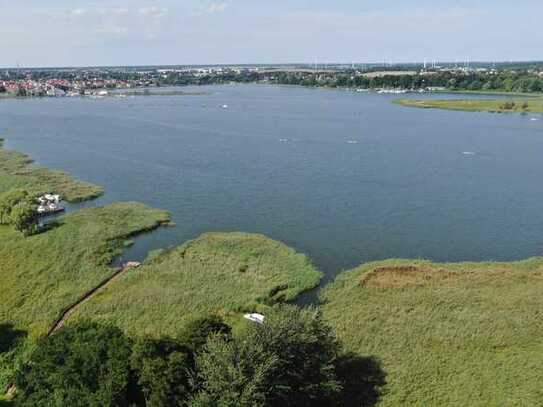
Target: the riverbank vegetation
(224, 273)
(171, 332)
(18, 171)
(293, 360)
(18, 208)
(530, 105)
(502, 77)
(447, 334)
(502, 81)
(44, 274)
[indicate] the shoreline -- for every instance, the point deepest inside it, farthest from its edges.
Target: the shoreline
(532, 105)
(227, 266)
(306, 297)
(156, 91)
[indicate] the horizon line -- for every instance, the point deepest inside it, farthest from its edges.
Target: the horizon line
(336, 63)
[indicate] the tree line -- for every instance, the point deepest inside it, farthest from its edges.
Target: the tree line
(293, 359)
(506, 81)
(525, 81)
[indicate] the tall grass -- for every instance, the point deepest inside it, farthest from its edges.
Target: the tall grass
(17, 171)
(225, 273)
(527, 105)
(42, 275)
(448, 334)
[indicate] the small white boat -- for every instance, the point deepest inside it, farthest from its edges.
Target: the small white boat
(468, 153)
(132, 265)
(224, 106)
(50, 208)
(257, 318)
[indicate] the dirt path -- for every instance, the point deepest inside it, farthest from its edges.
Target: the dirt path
(59, 323)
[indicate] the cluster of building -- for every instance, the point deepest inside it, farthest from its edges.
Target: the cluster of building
(58, 86)
(31, 87)
(99, 81)
(77, 83)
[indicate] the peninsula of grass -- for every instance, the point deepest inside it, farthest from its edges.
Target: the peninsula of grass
(218, 273)
(528, 105)
(491, 92)
(18, 171)
(43, 275)
(447, 334)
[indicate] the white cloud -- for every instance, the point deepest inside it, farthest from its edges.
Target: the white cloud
(153, 12)
(121, 31)
(113, 31)
(79, 11)
(214, 8)
(121, 11)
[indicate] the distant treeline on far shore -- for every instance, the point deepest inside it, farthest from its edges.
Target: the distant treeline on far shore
(55, 82)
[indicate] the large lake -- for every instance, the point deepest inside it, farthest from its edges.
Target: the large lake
(344, 177)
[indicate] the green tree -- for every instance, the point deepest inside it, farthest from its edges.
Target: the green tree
(21, 92)
(236, 373)
(24, 218)
(81, 365)
(8, 200)
(307, 350)
(287, 361)
(196, 332)
(508, 106)
(163, 370)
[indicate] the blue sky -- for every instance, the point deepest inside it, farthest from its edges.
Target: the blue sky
(132, 32)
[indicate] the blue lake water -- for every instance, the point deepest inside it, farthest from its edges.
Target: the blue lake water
(344, 177)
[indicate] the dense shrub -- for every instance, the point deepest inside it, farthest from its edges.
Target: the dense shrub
(7, 201)
(292, 360)
(162, 368)
(18, 208)
(83, 365)
(195, 333)
(287, 361)
(24, 218)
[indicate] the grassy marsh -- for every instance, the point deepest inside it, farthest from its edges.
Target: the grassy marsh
(448, 334)
(526, 105)
(44, 274)
(225, 273)
(18, 171)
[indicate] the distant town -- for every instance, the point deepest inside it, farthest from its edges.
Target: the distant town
(525, 77)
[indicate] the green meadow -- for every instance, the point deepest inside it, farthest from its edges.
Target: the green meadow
(447, 334)
(525, 105)
(218, 273)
